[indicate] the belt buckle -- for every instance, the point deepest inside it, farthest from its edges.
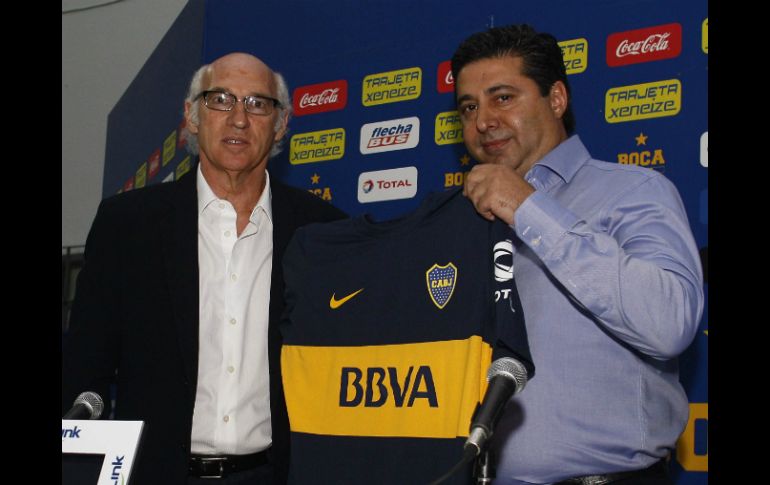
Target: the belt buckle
(206, 461)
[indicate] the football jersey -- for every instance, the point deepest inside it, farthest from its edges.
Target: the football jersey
(388, 335)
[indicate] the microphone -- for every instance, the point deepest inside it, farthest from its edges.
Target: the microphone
(506, 377)
(88, 405)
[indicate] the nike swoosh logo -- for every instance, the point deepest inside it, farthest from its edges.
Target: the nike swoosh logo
(334, 303)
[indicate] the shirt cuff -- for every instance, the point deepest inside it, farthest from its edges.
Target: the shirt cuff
(541, 222)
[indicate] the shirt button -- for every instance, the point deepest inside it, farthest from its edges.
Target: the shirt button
(230, 369)
(226, 419)
(221, 205)
(233, 277)
(227, 233)
(232, 321)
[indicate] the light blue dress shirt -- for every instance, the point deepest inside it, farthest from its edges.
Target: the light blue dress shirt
(612, 289)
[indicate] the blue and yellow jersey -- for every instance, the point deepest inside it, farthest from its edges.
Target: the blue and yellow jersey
(388, 335)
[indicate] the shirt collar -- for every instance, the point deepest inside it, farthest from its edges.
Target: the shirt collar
(563, 161)
(206, 197)
(265, 202)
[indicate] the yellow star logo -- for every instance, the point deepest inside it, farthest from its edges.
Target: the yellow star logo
(315, 178)
(465, 159)
(641, 139)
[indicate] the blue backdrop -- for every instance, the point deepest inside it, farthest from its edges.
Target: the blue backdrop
(374, 129)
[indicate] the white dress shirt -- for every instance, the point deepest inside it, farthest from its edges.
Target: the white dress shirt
(232, 402)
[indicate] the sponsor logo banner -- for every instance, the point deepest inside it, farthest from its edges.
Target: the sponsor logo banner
(642, 101)
(385, 136)
(449, 128)
(424, 390)
(396, 183)
(317, 146)
(140, 177)
(704, 43)
(153, 163)
(183, 167)
(644, 45)
(169, 148)
(445, 83)
(502, 255)
(649, 156)
(392, 86)
(318, 98)
(575, 55)
(324, 193)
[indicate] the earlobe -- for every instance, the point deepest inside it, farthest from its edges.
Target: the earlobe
(559, 98)
(191, 127)
(281, 132)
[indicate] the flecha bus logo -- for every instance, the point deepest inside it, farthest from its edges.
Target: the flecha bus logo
(385, 136)
(644, 45)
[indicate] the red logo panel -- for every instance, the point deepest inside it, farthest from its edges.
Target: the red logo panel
(317, 98)
(644, 45)
(445, 83)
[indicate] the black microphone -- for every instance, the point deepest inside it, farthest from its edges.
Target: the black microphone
(88, 405)
(506, 377)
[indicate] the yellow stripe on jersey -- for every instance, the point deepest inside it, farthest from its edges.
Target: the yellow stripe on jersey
(419, 390)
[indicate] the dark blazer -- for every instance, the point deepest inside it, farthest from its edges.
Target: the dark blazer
(135, 318)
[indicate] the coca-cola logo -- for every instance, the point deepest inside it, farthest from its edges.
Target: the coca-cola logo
(653, 43)
(644, 45)
(326, 96)
(317, 98)
(445, 82)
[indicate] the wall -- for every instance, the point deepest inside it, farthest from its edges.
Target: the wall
(102, 50)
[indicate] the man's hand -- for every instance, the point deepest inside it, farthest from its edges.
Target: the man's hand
(496, 191)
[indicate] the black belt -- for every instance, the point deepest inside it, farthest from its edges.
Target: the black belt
(210, 466)
(658, 469)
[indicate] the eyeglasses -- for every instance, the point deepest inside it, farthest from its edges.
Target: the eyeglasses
(222, 101)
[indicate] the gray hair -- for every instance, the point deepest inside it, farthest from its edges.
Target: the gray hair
(196, 86)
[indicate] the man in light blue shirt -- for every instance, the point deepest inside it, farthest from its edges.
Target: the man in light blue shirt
(609, 274)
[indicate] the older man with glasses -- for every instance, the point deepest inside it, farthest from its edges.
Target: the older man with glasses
(182, 289)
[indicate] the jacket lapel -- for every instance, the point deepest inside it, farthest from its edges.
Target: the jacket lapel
(179, 238)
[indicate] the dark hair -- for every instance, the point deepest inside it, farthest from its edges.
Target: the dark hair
(540, 54)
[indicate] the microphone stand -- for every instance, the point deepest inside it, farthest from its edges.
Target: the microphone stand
(483, 470)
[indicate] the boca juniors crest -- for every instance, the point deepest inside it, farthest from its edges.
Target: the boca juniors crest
(441, 283)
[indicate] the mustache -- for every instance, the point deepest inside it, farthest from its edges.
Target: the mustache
(492, 139)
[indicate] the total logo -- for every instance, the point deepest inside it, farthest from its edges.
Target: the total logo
(644, 45)
(386, 136)
(393, 184)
